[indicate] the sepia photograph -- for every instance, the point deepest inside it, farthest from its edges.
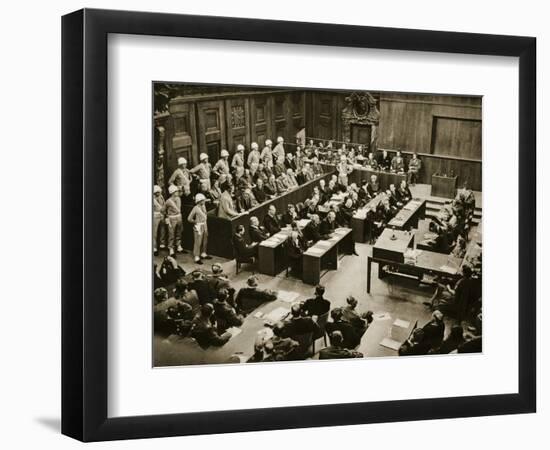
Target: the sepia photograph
(297, 224)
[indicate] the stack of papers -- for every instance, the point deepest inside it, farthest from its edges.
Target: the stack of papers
(277, 314)
(287, 296)
(315, 251)
(448, 269)
(390, 343)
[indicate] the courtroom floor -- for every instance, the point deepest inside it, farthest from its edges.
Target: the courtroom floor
(400, 297)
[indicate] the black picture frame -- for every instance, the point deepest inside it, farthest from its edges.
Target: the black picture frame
(84, 224)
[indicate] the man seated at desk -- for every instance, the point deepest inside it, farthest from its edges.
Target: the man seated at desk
(371, 163)
(204, 331)
(305, 174)
(415, 345)
(250, 297)
(299, 323)
(336, 350)
(328, 225)
(316, 167)
(226, 316)
(345, 213)
(384, 161)
(259, 192)
(317, 305)
(256, 232)
(282, 184)
(271, 223)
(311, 231)
(291, 178)
(404, 193)
(414, 168)
(373, 187)
(398, 163)
(359, 321)
(242, 249)
(394, 198)
(349, 333)
(270, 187)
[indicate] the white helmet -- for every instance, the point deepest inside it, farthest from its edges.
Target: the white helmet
(224, 153)
(156, 189)
(268, 142)
(199, 198)
(254, 146)
(172, 188)
(181, 161)
(280, 139)
(240, 148)
(203, 156)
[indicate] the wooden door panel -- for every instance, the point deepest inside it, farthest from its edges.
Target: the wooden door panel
(211, 126)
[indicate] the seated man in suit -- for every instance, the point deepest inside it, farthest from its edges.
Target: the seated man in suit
(298, 323)
(256, 232)
(204, 331)
(373, 187)
(316, 168)
(290, 215)
(279, 347)
(202, 287)
(394, 198)
(336, 350)
(271, 222)
(259, 192)
(384, 161)
(311, 231)
(359, 321)
(271, 186)
(218, 281)
(404, 193)
(434, 330)
(328, 225)
(250, 297)
(398, 163)
(371, 163)
(414, 168)
(226, 316)
(415, 345)
(346, 213)
(295, 250)
(349, 333)
(317, 305)
(243, 251)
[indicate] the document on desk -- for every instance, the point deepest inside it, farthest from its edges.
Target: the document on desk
(448, 269)
(315, 251)
(323, 244)
(287, 296)
(234, 331)
(277, 314)
(381, 316)
(401, 323)
(390, 343)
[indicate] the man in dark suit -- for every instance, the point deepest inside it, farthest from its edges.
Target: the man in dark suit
(328, 225)
(350, 335)
(242, 249)
(404, 193)
(373, 187)
(384, 160)
(298, 323)
(318, 305)
(415, 345)
(336, 350)
(203, 329)
(250, 297)
(202, 287)
(290, 215)
(311, 231)
(434, 330)
(295, 251)
(271, 222)
(259, 191)
(256, 232)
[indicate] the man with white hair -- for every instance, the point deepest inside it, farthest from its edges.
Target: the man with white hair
(254, 155)
(173, 214)
(222, 166)
(203, 169)
(238, 158)
(291, 179)
(279, 150)
(181, 176)
(159, 219)
(317, 168)
(267, 154)
(198, 218)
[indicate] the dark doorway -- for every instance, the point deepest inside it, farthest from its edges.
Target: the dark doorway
(360, 134)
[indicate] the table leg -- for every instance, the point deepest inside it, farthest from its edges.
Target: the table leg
(369, 261)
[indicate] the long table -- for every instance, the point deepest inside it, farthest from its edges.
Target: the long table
(324, 255)
(409, 215)
(384, 178)
(272, 254)
(221, 230)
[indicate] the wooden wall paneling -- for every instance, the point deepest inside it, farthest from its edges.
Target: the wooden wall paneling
(260, 119)
(181, 134)
(456, 137)
(211, 128)
(280, 116)
(237, 117)
(296, 113)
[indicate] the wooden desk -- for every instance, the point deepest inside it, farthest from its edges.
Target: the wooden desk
(324, 255)
(375, 334)
(384, 178)
(272, 253)
(358, 221)
(443, 186)
(426, 263)
(220, 230)
(409, 215)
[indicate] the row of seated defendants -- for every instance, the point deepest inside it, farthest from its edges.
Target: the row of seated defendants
(203, 306)
(335, 214)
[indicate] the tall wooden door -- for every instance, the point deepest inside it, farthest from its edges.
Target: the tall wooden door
(260, 118)
(237, 117)
(360, 134)
(211, 125)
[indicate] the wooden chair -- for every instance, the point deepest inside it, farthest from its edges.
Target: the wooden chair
(240, 261)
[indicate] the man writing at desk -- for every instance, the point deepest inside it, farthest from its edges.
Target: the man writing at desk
(271, 222)
(256, 232)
